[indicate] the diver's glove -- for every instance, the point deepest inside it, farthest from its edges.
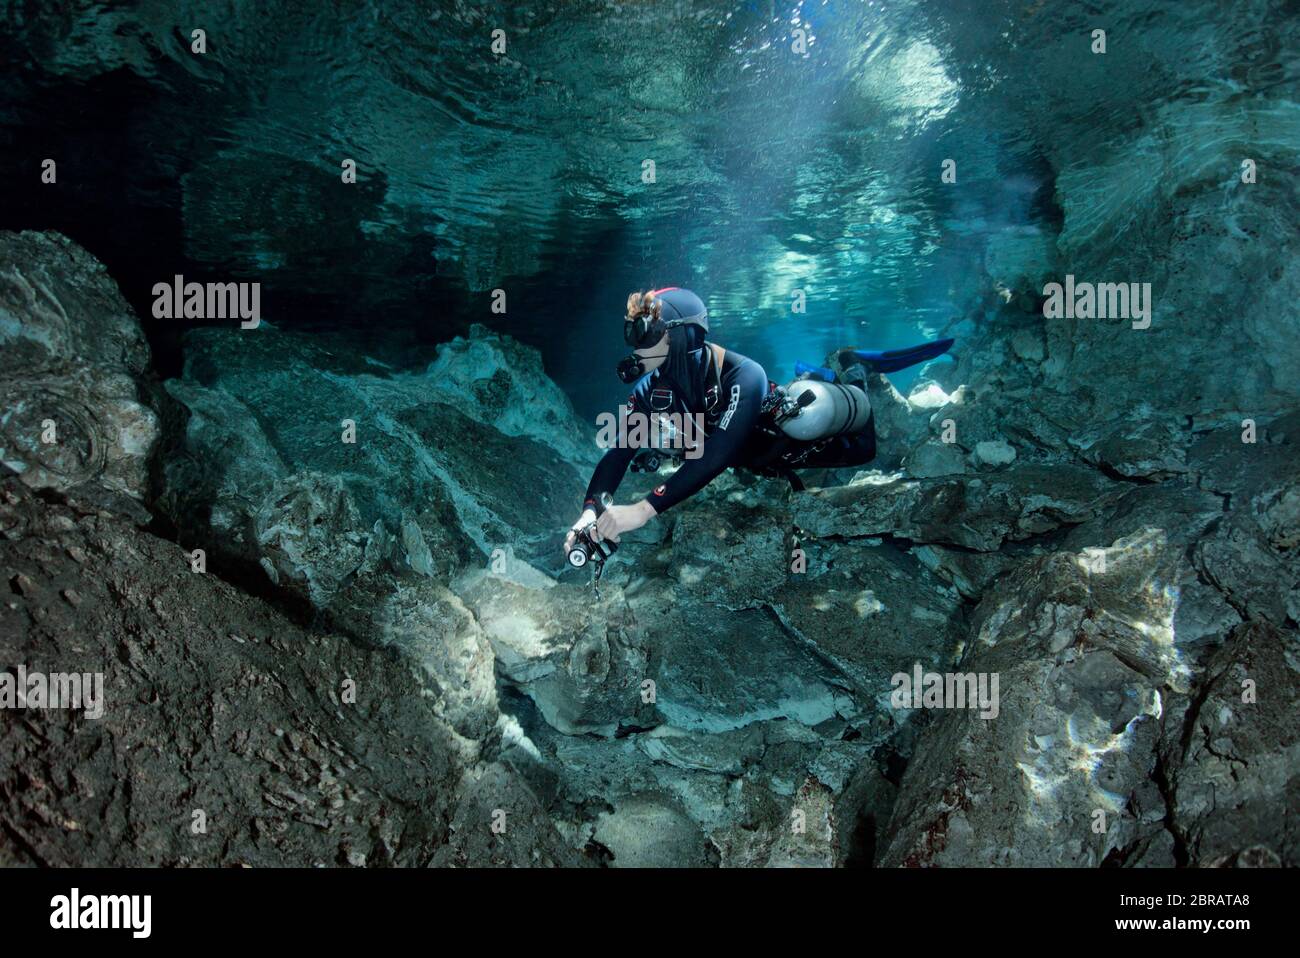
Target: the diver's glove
(587, 518)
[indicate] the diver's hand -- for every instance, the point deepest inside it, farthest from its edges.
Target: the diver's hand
(617, 520)
(587, 518)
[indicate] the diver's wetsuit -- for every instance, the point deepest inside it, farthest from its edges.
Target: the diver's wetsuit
(731, 436)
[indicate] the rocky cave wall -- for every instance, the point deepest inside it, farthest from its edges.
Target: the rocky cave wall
(1099, 535)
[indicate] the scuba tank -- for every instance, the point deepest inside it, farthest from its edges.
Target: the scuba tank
(812, 409)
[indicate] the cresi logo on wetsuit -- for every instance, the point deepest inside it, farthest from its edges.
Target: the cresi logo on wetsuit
(731, 409)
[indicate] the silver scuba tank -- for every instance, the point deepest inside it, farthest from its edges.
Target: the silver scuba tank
(828, 409)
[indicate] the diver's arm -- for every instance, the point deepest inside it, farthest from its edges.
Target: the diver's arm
(613, 465)
(744, 390)
(608, 475)
(616, 520)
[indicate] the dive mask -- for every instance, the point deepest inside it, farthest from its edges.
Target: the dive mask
(645, 330)
(642, 333)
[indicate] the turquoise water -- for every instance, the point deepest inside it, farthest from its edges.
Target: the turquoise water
(797, 146)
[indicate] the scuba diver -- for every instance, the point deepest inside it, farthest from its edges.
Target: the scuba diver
(817, 421)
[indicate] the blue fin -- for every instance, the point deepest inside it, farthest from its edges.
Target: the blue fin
(814, 372)
(892, 360)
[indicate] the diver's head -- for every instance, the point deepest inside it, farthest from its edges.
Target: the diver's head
(658, 322)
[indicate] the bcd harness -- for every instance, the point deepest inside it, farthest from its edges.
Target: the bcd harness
(782, 455)
(661, 398)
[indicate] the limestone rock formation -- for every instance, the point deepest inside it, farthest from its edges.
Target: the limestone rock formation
(229, 734)
(320, 466)
(73, 362)
(729, 695)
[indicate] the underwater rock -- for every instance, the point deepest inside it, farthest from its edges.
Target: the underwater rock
(1250, 554)
(1028, 344)
(809, 839)
(933, 459)
(1237, 560)
(977, 513)
(872, 612)
(732, 552)
(734, 676)
(1181, 514)
(1233, 754)
(724, 686)
(73, 367)
(994, 453)
(429, 626)
(302, 457)
(1118, 598)
(970, 573)
(1143, 448)
(861, 814)
(1178, 509)
(1082, 659)
(498, 381)
(716, 670)
(309, 536)
(499, 823)
(582, 663)
(724, 753)
(652, 831)
(228, 736)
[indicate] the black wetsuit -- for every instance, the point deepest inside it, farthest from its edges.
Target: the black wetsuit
(734, 434)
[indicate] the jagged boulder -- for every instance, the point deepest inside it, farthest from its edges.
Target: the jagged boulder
(73, 367)
(932, 459)
(428, 625)
(1181, 514)
(970, 573)
(1143, 446)
(1060, 772)
(582, 663)
(1250, 554)
(1233, 754)
(977, 513)
(498, 381)
(319, 466)
(228, 735)
(677, 841)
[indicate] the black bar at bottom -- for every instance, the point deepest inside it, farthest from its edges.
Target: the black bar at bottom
(331, 907)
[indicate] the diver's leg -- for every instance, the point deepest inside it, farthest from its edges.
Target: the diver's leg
(764, 455)
(855, 374)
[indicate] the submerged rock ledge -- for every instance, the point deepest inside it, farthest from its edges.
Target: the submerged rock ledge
(403, 657)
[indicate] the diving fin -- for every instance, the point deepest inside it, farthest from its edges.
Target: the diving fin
(802, 369)
(892, 360)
